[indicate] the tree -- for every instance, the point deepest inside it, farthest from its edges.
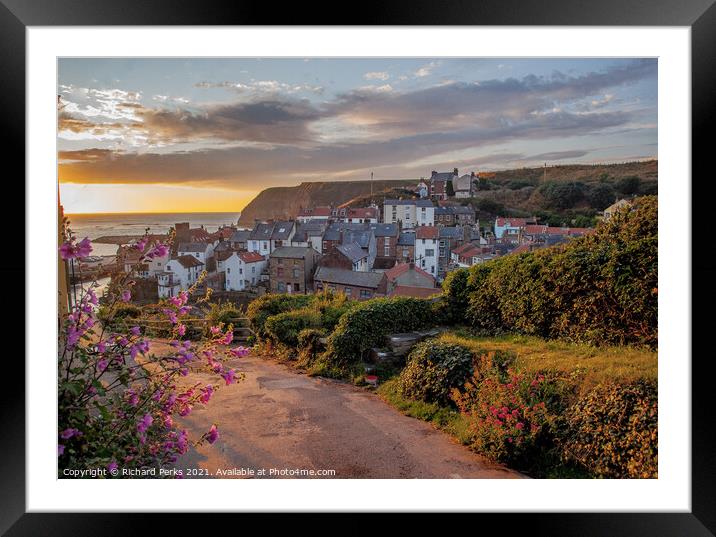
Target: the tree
(449, 190)
(628, 185)
(601, 197)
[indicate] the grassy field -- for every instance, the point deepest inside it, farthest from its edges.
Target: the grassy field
(594, 364)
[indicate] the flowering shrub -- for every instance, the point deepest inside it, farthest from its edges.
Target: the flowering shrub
(117, 401)
(508, 414)
(612, 431)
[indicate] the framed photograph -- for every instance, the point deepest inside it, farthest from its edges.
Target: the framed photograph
(408, 262)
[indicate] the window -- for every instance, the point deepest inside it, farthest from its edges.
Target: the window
(281, 286)
(228, 270)
(296, 273)
(280, 261)
(297, 287)
(279, 271)
(406, 252)
(430, 253)
(365, 293)
(348, 291)
(386, 252)
(241, 270)
(253, 270)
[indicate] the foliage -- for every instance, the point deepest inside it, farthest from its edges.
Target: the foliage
(612, 431)
(366, 325)
(116, 399)
(453, 304)
(628, 185)
(284, 327)
(561, 196)
(601, 196)
(221, 313)
(598, 289)
(508, 414)
(433, 368)
(260, 309)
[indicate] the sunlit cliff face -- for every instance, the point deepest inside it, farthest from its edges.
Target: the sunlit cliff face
(208, 134)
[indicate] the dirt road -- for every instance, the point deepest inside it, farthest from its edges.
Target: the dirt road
(279, 419)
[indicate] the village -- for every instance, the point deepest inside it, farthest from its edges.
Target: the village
(404, 248)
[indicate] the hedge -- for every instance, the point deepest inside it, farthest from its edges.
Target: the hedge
(262, 308)
(366, 325)
(597, 289)
(285, 327)
(612, 431)
(433, 369)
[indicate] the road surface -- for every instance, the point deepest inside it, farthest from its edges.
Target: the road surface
(280, 420)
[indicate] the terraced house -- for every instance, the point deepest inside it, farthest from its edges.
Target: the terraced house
(291, 269)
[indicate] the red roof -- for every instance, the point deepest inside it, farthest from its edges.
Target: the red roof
(188, 261)
(316, 211)
(251, 257)
(417, 292)
(466, 247)
(511, 222)
(402, 268)
(363, 212)
(521, 249)
(427, 232)
(535, 228)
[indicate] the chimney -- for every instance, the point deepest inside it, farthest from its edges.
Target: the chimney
(454, 171)
(472, 174)
(433, 173)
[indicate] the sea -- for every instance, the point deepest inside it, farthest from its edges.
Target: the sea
(94, 226)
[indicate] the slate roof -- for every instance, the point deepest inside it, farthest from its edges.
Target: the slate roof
(292, 252)
(352, 251)
(240, 235)
(349, 277)
(192, 247)
(261, 232)
(282, 230)
(308, 229)
(442, 176)
(361, 238)
(451, 232)
(406, 239)
(385, 230)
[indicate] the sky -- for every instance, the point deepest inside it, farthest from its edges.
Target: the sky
(208, 134)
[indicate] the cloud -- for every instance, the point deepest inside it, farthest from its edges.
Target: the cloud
(268, 136)
(426, 70)
(376, 75)
(262, 88)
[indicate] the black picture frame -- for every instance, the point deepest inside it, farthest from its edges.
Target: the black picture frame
(699, 15)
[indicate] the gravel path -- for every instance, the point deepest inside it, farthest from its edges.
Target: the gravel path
(280, 420)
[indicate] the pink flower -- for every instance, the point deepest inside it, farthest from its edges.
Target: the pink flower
(215, 330)
(145, 423)
(181, 329)
(520, 425)
(84, 248)
(60, 449)
(213, 434)
(69, 433)
(141, 244)
(112, 466)
(126, 295)
(239, 351)
(228, 376)
(160, 250)
(101, 347)
(135, 330)
(206, 393)
(102, 365)
(67, 251)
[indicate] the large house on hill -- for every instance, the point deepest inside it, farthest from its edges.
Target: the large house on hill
(438, 183)
(409, 213)
(291, 269)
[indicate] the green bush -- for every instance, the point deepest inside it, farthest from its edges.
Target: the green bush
(284, 327)
(433, 369)
(597, 289)
(612, 431)
(225, 313)
(262, 308)
(366, 325)
(309, 344)
(453, 304)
